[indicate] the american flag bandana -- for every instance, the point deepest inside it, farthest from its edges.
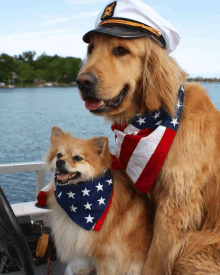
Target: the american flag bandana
(87, 203)
(142, 146)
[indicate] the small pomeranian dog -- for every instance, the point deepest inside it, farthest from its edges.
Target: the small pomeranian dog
(99, 220)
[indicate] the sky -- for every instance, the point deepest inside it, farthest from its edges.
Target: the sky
(57, 26)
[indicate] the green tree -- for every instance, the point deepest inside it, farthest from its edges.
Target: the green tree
(77, 62)
(54, 66)
(25, 73)
(40, 74)
(42, 62)
(70, 68)
(28, 68)
(7, 66)
(27, 57)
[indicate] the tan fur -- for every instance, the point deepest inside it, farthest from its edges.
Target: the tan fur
(121, 245)
(186, 192)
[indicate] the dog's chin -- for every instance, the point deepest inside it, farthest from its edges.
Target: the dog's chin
(68, 178)
(98, 106)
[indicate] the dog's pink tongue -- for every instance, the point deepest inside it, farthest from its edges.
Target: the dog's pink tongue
(93, 105)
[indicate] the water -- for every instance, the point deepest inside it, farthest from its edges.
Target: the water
(26, 118)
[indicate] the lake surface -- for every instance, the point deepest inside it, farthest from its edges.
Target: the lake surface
(26, 118)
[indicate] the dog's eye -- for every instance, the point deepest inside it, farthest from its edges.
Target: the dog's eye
(90, 48)
(59, 155)
(77, 158)
(120, 51)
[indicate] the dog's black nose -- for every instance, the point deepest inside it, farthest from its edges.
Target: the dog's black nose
(60, 163)
(86, 82)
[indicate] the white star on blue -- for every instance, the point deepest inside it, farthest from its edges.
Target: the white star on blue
(85, 202)
(71, 195)
(157, 114)
(86, 192)
(160, 117)
(179, 104)
(89, 219)
(141, 120)
(99, 187)
(174, 121)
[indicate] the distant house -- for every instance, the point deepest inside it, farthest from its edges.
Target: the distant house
(14, 76)
(48, 84)
(38, 82)
(73, 84)
(2, 84)
(10, 86)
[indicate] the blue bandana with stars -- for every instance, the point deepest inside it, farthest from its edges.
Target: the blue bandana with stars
(160, 117)
(86, 202)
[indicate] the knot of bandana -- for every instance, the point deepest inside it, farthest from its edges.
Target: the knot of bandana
(87, 203)
(142, 146)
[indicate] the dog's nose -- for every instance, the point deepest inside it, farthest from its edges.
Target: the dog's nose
(60, 163)
(86, 82)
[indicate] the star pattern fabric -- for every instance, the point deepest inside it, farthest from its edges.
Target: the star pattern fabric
(87, 203)
(142, 146)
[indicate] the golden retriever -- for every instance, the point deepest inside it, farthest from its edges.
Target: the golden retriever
(124, 77)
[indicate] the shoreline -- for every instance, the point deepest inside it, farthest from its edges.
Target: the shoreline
(63, 85)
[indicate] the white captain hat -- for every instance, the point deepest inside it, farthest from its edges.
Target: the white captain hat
(132, 19)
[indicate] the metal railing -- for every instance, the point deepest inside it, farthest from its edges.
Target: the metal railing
(38, 167)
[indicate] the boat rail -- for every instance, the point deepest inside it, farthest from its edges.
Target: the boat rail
(38, 167)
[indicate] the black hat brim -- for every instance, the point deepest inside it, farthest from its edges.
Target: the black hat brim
(116, 31)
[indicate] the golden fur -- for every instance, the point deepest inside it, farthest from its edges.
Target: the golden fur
(121, 245)
(186, 192)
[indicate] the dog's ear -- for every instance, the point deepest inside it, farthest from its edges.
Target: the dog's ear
(162, 79)
(101, 144)
(55, 133)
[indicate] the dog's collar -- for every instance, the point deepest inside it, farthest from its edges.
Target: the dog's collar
(142, 146)
(88, 203)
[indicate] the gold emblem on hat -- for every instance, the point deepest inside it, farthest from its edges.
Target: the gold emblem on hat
(109, 11)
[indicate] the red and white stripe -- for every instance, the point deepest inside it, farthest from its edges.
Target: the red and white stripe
(142, 152)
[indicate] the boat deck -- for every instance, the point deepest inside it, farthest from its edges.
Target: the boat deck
(30, 210)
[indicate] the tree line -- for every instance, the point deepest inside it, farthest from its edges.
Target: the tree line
(202, 79)
(25, 68)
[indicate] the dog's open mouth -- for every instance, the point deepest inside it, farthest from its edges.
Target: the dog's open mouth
(64, 178)
(99, 106)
